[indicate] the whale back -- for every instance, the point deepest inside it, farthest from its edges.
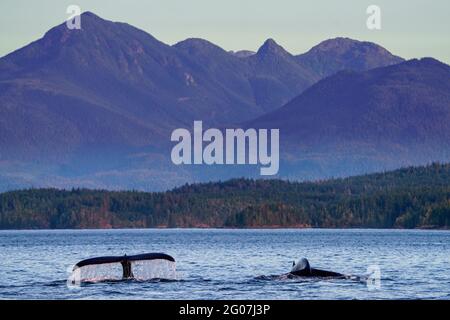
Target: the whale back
(301, 268)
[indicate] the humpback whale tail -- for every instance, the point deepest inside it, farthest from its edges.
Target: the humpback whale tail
(303, 269)
(142, 266)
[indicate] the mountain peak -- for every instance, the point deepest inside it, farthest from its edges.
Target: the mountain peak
(345, 46)
(197, 45)
(89, 21)
(90, 14)
(339, 43)
(333, 55)
(272, 48)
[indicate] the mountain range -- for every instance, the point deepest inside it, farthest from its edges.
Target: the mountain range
(355, 122)
(95, 107)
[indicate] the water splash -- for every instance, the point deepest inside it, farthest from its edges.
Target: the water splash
(145, 270)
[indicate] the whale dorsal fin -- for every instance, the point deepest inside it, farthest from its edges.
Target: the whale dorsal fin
(302, 266)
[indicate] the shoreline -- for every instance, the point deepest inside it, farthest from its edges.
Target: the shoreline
(230, 228)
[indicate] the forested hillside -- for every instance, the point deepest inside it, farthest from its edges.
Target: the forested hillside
(406, 198)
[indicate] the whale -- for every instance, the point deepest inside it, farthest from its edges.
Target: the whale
(303, 269)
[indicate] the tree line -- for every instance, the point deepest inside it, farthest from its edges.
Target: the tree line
(415, 197)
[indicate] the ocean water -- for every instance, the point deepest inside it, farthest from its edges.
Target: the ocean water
(233, 264)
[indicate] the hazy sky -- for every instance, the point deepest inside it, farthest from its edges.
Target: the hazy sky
(410, 28)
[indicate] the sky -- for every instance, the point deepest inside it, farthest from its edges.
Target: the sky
(409, 28)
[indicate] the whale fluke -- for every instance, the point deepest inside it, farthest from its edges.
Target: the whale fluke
(125, 261)
(125, 258)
